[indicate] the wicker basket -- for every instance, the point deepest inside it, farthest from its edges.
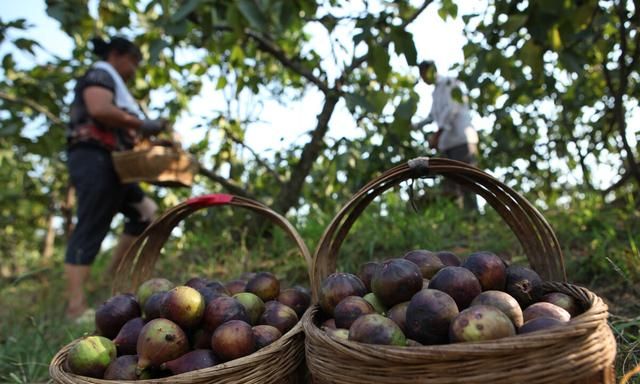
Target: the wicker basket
(582, 351)
(281, 362)
(163, 165)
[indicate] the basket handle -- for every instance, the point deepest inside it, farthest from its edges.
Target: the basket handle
(534, 233)
(137, 264)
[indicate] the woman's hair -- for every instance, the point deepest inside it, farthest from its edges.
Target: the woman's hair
(117, 44)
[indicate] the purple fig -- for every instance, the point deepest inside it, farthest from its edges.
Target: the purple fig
(279, 315)
(127, 338)
(151, 286)
(153, 306)
(264, 285)
(265, 335)
(191, 361)
(336, 287)
(233, 339)
(221, 310)
(113, 313)
(295, 299)
(122, 368)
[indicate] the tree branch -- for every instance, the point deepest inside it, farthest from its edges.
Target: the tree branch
(226, 184)
(269, 46)
(258, 159)
(33, 105)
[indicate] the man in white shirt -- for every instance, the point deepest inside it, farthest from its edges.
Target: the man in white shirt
(456, 138)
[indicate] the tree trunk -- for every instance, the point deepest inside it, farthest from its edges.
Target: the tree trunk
(49, 239)
(291, 190)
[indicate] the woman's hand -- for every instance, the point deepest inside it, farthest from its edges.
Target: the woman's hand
(153, 127)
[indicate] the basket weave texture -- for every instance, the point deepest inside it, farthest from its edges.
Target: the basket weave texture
(583, 351)
(279, 362)
(163, 165)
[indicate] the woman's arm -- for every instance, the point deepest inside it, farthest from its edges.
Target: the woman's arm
(99, 102)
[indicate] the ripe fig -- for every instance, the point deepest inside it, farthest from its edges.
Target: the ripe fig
(524, 284)
(504, 302)
(395, 281)
(265, 335)
(480, 322)
(366, 273)
(196, 283)
(428, 316)
(296, 299)
(253, 305)
(279, 315)
(398, 313)
(235, 286)
(122, 368)
(349, 309)
(264, 285)
(232, 340)
(563, 301)
(221, 310)
(153, 306)
(336, 287)
(127, 338)
(160, 340)
(457, 282)
(540, 324)
(449, 258)
(91, 356)
(184, 306)
(218, 288)
(201, 339)
(113, 313)
(375, 303)
(428, 262)
(329, 323)
(151, 286)
(489, 269)
(376, 329)
(191, 361)
(544, 309)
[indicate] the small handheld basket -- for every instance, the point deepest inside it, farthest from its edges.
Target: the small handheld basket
(163, 164)
(581, 351)
(281, 362)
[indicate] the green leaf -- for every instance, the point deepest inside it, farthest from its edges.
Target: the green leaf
(448, 8)
(554, 38)
(379, 60)
(253, 15)
(186, 8)
(25, 44)
(403, 43)
(356, 99)
(406, 110)
(155, 48)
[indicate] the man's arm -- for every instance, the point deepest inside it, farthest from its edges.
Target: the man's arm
(99, 102)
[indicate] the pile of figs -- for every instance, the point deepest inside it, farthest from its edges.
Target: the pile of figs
(431, 298)
(166, 329)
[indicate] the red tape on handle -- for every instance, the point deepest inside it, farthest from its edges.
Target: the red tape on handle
(209, 200)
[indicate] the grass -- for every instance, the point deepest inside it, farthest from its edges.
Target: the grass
(600, 246)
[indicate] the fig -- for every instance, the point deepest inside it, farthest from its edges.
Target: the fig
(429, 315)
(449, 258)
(253, 305)
(201, 339)
(504, 302)
(428, 262)
(196, 283)
(489, 269)
(233, 339)
(122, 368)
(279, 315)
(336, 287)
(153, 306)
(329, 323)
(338, 333)
(247, 275)
(209, 294)
(235, 286)
(113, 313)
(91, 356)
(524, 284)
(398, 313)
(127, 338)
(151, 286)
(395, 281)
(479, 323)
(264, 285)
(544, 309)
(563, 301)
(349, 309)
(160, 340)
(184, 306)
(375, 303)
(265, 335)
(218, 288)
(221, 310)
(376, 329)
(540, 324)
(366, 273)
(191, 361)
(459, 283)
(295, 299)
